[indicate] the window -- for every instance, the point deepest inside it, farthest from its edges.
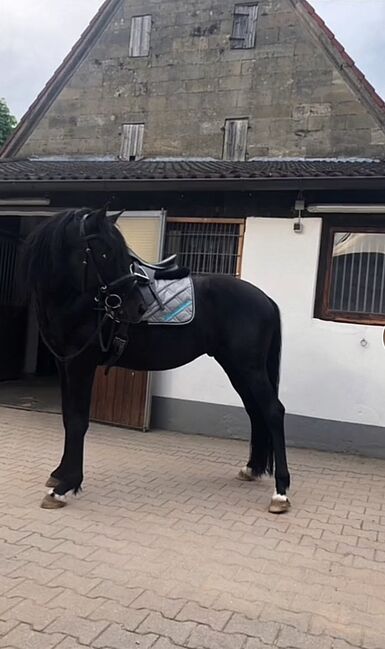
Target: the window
(351, 281)
(132, 141)
(235, 139)
(244, 27)
(140, 36)
(206, 245)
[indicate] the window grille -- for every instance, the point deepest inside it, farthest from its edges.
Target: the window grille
(140, 36)
(244, 26)
(351, 282)
(206, 246)
(8, 260)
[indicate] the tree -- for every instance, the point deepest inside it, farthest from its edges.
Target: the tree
(7, 121)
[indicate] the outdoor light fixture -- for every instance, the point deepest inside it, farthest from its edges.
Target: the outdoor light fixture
(346, 209)
(28, 202)
(299, 207)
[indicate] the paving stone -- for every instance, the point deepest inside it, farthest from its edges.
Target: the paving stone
(23, 637)
(169, 551)
(116, 637)
(178, 632)
(84, 630)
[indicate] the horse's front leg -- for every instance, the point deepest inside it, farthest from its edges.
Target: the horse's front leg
(76, 386)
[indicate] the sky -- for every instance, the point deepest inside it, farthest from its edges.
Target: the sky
(37, 34)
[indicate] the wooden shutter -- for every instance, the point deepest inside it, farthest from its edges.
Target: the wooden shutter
(244, 27)
(235, 140)
(132, 141)
(140, 36)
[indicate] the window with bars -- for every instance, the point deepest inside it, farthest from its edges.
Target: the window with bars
(351, 282)
(8, 260)
(235, 139)
(140, 36)
(206, 246)
(244, 26)
(132, 141)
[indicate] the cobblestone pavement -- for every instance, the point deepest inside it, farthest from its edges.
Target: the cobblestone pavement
(166, 549)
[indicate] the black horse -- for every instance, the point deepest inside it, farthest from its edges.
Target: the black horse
(80, 271)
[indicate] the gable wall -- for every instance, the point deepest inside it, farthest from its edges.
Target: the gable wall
(297, 101)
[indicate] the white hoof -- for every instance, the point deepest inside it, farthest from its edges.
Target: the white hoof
(246, 474)
(279, 504)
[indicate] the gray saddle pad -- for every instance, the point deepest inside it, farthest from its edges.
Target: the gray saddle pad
(177, 297)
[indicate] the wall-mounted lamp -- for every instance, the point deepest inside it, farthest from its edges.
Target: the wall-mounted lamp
(299, 207)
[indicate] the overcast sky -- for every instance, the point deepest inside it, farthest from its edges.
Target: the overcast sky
(37, 34)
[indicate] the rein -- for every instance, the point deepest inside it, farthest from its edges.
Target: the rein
(108, 305)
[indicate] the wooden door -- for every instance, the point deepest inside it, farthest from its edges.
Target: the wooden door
(123, 397)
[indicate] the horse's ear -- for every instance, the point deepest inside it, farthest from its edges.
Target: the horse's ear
(95, 218)
(114, 217)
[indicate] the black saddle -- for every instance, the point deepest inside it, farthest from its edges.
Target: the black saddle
(165, 264)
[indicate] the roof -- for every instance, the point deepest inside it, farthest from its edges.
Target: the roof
(54, 86)
(128, 175)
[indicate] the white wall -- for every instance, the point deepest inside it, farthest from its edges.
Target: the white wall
(326, 372)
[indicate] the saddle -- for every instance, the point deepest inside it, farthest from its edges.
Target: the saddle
(166, 264)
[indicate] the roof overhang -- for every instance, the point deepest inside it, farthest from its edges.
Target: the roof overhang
(24, 187)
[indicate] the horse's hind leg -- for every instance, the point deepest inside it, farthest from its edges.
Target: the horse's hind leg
(267, 442)
(261, 453)
(273, 414)
(76, 385)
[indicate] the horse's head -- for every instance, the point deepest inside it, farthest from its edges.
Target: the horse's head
(83, 252)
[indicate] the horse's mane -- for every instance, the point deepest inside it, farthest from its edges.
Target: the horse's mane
(43, 259)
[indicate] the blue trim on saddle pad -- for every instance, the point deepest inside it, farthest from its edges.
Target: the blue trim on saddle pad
(176, 303)
(172, 315)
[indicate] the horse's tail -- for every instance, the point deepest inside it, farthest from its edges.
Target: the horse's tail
(266, 450)
(274, 355)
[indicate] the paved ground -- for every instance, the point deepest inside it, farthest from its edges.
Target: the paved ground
(166, 549)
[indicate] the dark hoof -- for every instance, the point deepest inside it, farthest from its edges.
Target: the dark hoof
(52, 482)
(279, 506)
(50, 502)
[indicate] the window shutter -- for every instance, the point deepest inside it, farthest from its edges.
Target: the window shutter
(132, 141)
(235, 140)
(140, 36)
(244, 27)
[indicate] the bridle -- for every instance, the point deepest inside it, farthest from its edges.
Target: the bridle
(109, 304)
(107, 297)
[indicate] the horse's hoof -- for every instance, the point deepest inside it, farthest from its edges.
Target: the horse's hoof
(246, 474)
(52, 482)
(279, 505)
(50, 501)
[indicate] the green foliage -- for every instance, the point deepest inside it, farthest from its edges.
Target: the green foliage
(7, 122)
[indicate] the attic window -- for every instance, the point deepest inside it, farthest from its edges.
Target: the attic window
(132, 141)
(235, 139)
(140, 36)
(244, 27)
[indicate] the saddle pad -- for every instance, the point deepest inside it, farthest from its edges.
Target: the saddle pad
(177, 297)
